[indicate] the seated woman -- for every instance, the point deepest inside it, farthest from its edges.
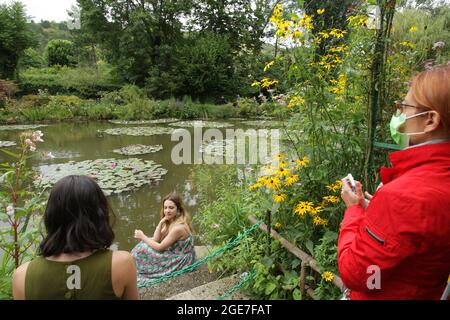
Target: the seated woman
(172, 245)
(75, 261)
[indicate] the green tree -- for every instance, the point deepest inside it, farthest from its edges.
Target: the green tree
(60, 52)
(14, 38)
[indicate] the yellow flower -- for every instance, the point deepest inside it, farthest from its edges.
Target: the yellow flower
(338, 33)
(277, 225)
(291, 180)
(273, 183)
(283, 172)
(297, 34)
(315, 210)
(269, 65)
(413, 29)
(262, 180)
(318, 221)
(282, 164)
(303, 162)
(256, 83)
(335, 186)
(266, 82)
(280, 197)
(320, 11)
(331, 199)
(280, 156)
(303, 207)
(327, 276)
(255, 186)
(324, 35)
(296, 101)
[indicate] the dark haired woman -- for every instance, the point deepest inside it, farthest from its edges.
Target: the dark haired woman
(75, 261)
(172, 246)
(399, 246)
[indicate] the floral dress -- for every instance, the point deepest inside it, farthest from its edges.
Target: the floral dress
(152, 264)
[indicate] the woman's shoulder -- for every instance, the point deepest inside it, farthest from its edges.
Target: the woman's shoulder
(121, 256)
(181, 229)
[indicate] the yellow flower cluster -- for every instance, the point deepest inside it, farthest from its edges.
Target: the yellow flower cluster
(413, 29)
(330, 61)
(328, 276)
(318, 221)
(277, 225)
(357, 21)
(335, 186)
(265, 83)
(339, 85)
(279, 177)
(296, 101)
(408, 44)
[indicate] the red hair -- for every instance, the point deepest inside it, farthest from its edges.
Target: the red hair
(431, 89)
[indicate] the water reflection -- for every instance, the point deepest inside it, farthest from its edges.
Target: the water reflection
(137, 209)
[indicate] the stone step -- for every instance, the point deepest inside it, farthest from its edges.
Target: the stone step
(187, 281)
(213, 290)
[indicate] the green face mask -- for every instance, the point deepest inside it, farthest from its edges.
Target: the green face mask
(402, 139)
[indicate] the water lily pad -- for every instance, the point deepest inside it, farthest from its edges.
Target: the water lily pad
(201, 123)
(137, 131)
(264, 123)
(136, 149)
(4, 144)
(168, 120)
(23, 127)
(113, 175)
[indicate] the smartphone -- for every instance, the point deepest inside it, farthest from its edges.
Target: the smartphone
(352, 182)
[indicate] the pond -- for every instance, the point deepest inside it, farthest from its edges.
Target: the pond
(74, 143)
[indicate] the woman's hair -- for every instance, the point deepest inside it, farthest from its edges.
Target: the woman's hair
(431, 89)
(183, 216)
(76, 217)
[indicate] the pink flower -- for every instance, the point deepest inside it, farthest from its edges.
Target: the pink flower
(32, 148)
(114, 165)
(28, 142)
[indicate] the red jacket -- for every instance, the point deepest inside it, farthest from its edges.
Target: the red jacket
(405, 230)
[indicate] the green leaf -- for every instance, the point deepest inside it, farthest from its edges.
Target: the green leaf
(297, 294)
(270, 287)
(310, 246)
(12, 154)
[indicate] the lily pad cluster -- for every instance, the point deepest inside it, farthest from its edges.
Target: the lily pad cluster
(137, 131)
(168, 120)
(23, 127)
(113, 175)
(4, 144)
(201, 123)
(137, 149)
(264, 123)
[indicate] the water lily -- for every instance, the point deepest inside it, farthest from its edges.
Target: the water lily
(49, 155)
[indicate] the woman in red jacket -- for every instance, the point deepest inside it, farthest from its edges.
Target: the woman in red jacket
(397, 246)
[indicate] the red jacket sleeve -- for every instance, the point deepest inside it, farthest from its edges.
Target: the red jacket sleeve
(378, 236)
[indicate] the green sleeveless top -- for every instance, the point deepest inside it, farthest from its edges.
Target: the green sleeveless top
(88, 278)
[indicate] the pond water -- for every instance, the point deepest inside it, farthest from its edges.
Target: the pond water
(135, 209)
